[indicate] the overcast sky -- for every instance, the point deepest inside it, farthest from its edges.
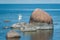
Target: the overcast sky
(28, 1)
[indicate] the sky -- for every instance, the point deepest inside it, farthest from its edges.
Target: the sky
(29, 1)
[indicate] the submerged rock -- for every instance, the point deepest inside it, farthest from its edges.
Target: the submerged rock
(40, 16)
(13, 34)
(6, 20)
(6, 27)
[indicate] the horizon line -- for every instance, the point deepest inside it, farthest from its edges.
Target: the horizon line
(33, 9)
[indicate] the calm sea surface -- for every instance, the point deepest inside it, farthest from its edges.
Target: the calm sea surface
(11, 12)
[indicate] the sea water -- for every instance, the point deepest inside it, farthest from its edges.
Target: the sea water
(11, 11)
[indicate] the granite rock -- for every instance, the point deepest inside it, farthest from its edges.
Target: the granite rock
(40, 16)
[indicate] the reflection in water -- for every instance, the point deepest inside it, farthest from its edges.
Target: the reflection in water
(13, 39)
(40, 35)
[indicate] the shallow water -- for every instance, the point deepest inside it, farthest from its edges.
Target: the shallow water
(11, 12)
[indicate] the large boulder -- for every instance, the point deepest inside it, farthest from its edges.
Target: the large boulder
(40, 16)
(12, 34)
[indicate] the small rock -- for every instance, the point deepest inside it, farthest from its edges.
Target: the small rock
(12, 34)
